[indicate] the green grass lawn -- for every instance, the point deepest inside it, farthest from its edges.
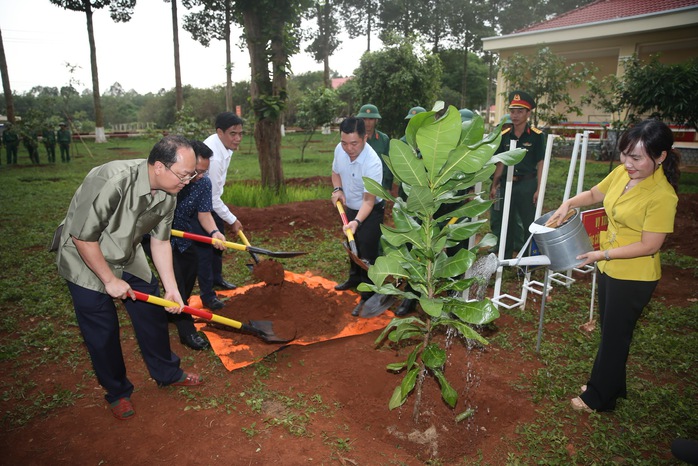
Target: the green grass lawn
(34, 199)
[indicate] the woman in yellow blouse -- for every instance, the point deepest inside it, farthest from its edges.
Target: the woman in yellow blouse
(640, 200)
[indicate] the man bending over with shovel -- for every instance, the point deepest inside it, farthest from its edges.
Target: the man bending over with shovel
(353, 160)
(101, 258)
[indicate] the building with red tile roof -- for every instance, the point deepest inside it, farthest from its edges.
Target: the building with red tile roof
(604, 33)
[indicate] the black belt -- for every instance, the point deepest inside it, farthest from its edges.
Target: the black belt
(527, 176)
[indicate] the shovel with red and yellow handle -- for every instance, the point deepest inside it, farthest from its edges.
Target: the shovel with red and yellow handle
(259, 328)
(231, 245)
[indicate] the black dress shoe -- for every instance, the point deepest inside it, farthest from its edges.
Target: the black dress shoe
(214, 304)
(405, 307)
(194, 341)
(224, 285)
(347, 285)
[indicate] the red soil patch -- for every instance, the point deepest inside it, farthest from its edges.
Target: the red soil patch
(344, 381)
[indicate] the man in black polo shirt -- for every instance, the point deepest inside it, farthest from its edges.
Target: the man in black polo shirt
(527, 173)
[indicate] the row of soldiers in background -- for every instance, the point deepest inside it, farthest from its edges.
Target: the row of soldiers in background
(12, 136)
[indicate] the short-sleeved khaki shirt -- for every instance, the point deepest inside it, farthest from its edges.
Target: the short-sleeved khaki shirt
(114, 206)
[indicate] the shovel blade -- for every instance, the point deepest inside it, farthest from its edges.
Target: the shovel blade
(377, 304)
(264, 329)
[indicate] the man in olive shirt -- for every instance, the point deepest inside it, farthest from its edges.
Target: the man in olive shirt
(379, 141)
(101, 258)
(527, 174)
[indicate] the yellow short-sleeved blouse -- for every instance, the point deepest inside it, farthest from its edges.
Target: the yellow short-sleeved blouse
(648, 206)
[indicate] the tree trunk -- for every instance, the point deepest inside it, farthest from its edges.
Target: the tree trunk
(228, 62)
(179, 95)
(267, 130)
(99, 117)
(9, 100)
(464, 82)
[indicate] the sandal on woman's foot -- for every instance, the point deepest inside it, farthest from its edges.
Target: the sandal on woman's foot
(122, 409)
(579, 405)
(189, 380)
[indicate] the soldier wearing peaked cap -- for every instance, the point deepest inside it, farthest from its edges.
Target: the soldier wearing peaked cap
(379, 141)
(527, 173)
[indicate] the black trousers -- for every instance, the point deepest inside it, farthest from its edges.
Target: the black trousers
(620, 305)
(217, 254)
(204, 263)
(185, 267)
(367, 239)
(99, 325)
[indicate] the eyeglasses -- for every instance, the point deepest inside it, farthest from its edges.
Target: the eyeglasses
(183, 179)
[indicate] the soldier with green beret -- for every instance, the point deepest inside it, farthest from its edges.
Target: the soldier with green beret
(527, 174)
(379, 141)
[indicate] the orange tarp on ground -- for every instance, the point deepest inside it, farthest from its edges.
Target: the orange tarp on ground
(235, 355)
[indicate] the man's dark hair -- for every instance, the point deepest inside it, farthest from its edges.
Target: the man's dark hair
(227, 119)
(201, 149)
(165, 150)
(353, 125)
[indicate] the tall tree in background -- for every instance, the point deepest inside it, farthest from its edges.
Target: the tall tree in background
(325, 40)
(213, 21)
(272, 33)
(360, 18)
(395, 79)
(179, 94)
(9, 101)
(120, 11)
(467, 22)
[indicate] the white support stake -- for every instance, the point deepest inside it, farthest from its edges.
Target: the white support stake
(471, 241)
(583, 161)
(505, 224)
(539, 205)
(573, 163)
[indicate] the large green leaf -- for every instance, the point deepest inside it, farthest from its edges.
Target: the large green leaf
(397, 321)
(433, 356)
(454, 266)
(449, 395)
(399, 237)
(473, 208)
(432, 306)
(376, 189)
(415, 123)
(421, 200)
(484, 175)
(476, 312)
(405, 165)
(472, 131)
(384, 267)
(487, 241)
(409, 380)
(435, 141)
(510, 157)
(412, 358)
(462, 231)
(404, 331)
(464, 330)
(396, 400)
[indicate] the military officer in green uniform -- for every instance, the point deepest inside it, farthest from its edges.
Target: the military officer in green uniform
(30, 138)
(379, 141)
(48, 137)
(64, 138)
(527, 173)
(10, 139)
